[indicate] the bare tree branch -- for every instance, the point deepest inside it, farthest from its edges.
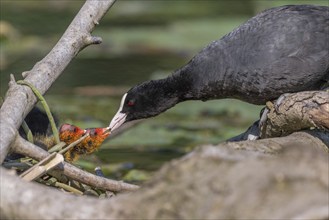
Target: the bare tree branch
(297, 111)
(294, 112)
(19, 100)
(24, 147)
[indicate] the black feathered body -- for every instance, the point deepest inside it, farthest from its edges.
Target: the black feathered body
(280, 50)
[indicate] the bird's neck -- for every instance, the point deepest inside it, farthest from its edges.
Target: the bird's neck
(179, 85)
(169, 91)
(199, 82)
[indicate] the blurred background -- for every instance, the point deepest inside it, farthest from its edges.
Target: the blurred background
(142, 40)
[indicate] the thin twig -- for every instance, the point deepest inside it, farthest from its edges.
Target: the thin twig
(68, 188)
(45, 106)
(16, 165)
(24, 147)
(57, 147)
(73, 144)
(28, 132)
(43, 166)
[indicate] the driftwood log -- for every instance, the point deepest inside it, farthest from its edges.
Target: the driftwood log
(296, 112)
(308, 110)
(275, 178)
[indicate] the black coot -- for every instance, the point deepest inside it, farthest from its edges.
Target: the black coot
(280, 50)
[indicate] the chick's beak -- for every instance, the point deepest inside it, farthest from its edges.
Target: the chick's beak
(107, 131)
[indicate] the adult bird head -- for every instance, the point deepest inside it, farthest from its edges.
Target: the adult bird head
(145, 100)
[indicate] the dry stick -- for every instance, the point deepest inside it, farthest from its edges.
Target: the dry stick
(19, 100)
(56, 147)
(68, 188)
(41, 168)
(73, 144)
(24, 147)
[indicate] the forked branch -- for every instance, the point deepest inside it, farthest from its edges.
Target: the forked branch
(19, 99)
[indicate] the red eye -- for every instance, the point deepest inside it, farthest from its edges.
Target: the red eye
(131, 103)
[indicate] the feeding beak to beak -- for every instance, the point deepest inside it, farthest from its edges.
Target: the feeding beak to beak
(119, 118)
(106, 131)
(117, 121)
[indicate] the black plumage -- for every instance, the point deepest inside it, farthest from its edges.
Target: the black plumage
(280, 50)
(38, 122)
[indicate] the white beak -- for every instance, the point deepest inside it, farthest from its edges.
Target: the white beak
(119, 117)
(117, 121)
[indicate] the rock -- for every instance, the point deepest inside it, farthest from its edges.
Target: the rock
(277, 178)
(281, 181)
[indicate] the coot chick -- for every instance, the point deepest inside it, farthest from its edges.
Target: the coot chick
(67, 133)
(281, 50)
(88, 145)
